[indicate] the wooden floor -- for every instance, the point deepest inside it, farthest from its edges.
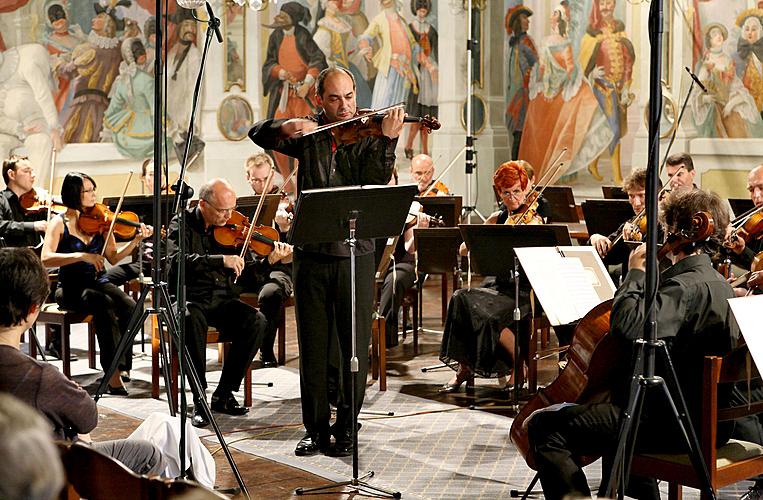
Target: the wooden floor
(272, 480)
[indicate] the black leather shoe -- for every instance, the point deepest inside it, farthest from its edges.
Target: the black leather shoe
(227, 404)
(342, 447)
(54, 351)
(268, 360)
(311, 444)
(199, 418)
(116, 391)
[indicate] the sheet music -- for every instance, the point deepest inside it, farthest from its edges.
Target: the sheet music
(747, 312)
(569, 281)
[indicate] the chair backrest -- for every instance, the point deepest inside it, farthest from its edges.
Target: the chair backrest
(96, 476)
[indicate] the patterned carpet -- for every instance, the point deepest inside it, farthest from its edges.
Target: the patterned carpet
(428, 449)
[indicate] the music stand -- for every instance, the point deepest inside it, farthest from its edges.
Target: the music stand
(347, 214)
(447, 207)
(490, 244)
(741, 205)
(561, 204)
(247, 205)
(141, 204)
(437, 249)
(614, 193)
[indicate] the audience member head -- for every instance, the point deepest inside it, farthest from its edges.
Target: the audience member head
(257, 169)
(217, 201)
(32, 469)
(25, 287)
(78, 191)
(422, 171)
(18, 174)
(681, 171)
(679, 208)
(635, 187)
(755, 185)
(510, 182)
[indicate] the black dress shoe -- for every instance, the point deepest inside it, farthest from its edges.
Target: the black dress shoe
(116, 391)
(199, 418)
(268, 360)
(342, 447)
(227, 404)
(312, 444)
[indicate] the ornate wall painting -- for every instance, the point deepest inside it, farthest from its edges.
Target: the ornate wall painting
(234, 46)
(235, 117)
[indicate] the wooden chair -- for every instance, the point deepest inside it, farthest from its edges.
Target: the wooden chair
(95, 476)
(50, 314)
(379, 351)
(729, 464)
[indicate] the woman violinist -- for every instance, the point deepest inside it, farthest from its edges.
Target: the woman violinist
(82, 284)
(476, 332)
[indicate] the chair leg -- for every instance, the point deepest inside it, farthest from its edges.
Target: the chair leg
(65, 352)
(248, 386)
(675, 491)
(375, 348)
(416, 325)
(91, 344)
(381, 345)
(532, 363)
(282, 337)
(444, 298)
(155, 339)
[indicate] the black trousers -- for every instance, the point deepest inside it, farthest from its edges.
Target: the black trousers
(392, 294)
(323, 308)
(271, 296)
(111, 308)
(238, 323)
(122, 273)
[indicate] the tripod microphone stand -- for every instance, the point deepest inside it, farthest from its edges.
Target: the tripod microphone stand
(648, 347)
(162, 305)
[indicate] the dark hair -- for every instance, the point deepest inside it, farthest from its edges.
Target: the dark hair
(25, 283)
(681, 159)
(144, 166)
(71, 189)
(11, 163)
(637, 179)
(137, 49)
(321, 82)
(682, 205)
(56, 12)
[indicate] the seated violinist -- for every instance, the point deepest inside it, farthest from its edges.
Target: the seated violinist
(688, 286)
(543, 206)
(476, 334)
(82, 284)
(745, 252)
(212, 299)
(422, 171)
(271, 281)
(17, 227)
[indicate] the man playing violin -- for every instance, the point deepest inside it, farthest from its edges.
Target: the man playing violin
(422, 171)
(680, 168)
(82, 283)
(322, 272)
(744, 252)
(688, 287)
(212, 298)
(18, 228)
(272, 282)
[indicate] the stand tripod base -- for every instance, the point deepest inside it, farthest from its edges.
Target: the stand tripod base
(356, 484)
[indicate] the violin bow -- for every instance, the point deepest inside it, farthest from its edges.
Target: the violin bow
(116, 214)
(442, 174)
(546, 178)
(641, 213)
(50, 182)
(268, 183)
(288, 178)
(371, 113)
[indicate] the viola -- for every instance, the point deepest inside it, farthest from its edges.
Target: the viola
(98, 219)
(234, 232)
(32, 204)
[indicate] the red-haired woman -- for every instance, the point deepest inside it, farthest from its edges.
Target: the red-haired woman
(476, 334)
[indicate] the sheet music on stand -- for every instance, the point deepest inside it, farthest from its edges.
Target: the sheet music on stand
(569, 281)
(746, 311)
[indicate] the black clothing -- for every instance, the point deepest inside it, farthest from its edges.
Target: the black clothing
(400, 277)
(16, 227)
(321, 272)
(695, 320)
(212, 300)
(273, 285)
(79, 275)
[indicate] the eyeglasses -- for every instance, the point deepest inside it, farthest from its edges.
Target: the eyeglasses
(422, 174)
(87, 191)
(228, 211)
(516, 194)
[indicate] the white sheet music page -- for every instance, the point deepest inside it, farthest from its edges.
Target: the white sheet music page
(747, 313)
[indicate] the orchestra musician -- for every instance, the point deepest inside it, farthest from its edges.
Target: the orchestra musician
(689, 285)
(422, 171)
(680, 169)
(212, 299)
(746, 252)
(477, 318)
(322, 272)
(272, 281)
(18, 228)
(257, 168)
(82, 283)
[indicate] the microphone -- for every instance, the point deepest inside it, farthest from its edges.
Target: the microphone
(696, 80)
(214, 22)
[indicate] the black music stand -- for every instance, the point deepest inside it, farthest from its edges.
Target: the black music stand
(614, 193)
(490, 245)
(447, 207)
(248, 204)
(347, 214)
(741, 205)
(141, 204)
(561, 204)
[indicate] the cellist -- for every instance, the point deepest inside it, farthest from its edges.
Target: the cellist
(689, 285)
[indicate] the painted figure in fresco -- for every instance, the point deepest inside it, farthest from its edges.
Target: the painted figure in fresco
(129, 118)
(149, 41)
(394, 77)
(95, 65)
(425, 102)
(727, 109)
(522, 57)
(607, 57)
(563, 111)
(749, 57)
(292, 64)
(183, 60)
(234, 64)
(60, 39)
(352, 10)
(333, 36)
(28, 115)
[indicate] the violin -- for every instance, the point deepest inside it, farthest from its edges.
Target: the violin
(234, 233)
(437, 188)
(32, 204)
(416, 211)
(747, 227)
(98, 219)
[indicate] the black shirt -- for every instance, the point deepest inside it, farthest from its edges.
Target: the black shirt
(16, 227)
